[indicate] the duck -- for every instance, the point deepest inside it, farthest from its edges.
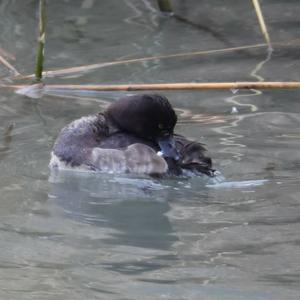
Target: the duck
(135, 134)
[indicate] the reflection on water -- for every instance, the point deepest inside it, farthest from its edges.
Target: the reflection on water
(99, 236)
(125, 206)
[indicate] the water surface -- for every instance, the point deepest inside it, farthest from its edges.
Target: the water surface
(81, 236)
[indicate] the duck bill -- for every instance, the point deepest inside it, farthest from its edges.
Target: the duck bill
(168, 147)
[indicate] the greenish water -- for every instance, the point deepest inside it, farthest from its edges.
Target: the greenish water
(81, 236)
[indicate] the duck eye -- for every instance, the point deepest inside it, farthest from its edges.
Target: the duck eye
(161, 126)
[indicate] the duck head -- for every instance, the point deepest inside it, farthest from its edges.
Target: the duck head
(147, 116)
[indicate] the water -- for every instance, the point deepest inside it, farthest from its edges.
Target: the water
(77, 236)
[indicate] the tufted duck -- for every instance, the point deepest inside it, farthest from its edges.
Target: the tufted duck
(135, 135)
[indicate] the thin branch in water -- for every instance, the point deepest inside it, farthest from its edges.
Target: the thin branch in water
(86, 68)
(7, 55)
(6, 63)
(262, 23)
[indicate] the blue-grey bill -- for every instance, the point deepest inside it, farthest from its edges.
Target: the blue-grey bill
(168, 147)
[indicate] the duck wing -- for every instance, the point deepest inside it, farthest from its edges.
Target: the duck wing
(136, 158)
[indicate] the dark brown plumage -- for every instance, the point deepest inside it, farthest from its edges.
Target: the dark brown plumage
(127, 138)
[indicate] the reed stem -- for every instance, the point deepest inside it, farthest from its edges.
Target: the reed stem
(41, 41)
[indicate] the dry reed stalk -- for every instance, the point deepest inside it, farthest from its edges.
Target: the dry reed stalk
(9, 66)
(7, 55)
(85, 68)
(41, 41)
(262, 23)
(4, 54)
(168, 86)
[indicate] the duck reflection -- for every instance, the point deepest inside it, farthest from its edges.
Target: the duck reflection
(126, 205)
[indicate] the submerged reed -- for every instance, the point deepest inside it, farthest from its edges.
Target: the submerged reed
(165, 6)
